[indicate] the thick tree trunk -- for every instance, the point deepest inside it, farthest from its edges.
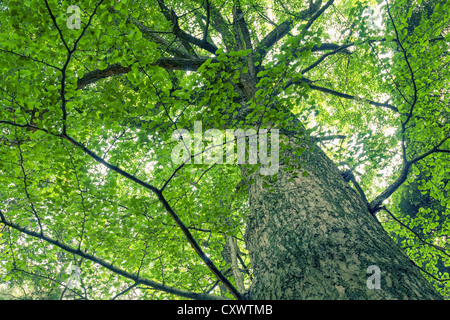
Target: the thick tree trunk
(314, 238)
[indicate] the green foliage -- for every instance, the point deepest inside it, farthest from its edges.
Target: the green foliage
(126, 116)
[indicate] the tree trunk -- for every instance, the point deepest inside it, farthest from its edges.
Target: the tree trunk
(314, 238)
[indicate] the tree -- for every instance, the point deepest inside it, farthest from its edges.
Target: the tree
(100, 170)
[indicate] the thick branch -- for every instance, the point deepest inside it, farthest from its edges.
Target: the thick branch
(184, 36)
(243, 27)
(286, 26)
(244, 33)
(219, 23)
(208, 20)
(351, 177)
(328, 138)
(234, 266)
(117, 69)
(150, 34)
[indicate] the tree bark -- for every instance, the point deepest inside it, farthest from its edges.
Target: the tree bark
(314, 238)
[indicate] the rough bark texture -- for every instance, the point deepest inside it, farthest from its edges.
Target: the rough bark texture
(314, 238)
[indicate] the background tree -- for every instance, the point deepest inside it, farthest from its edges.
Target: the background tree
(87, 176)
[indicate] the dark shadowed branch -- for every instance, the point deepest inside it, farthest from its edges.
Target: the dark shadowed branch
(185, 37)
(109, 266)
(339, 94)
(375, 204)
(118, 69)
(166, 206)
(286, 26)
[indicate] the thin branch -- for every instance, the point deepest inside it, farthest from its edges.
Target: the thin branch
(324, 56)
(30, 58)
(409, 67)
(339, 94)
(86, 26)
(170, 210)
(114, 269)
(150, 34)
(66, 64)
(375, 204)
(216, 283)
(110, 166)
(28, 126)
(51, 279)
(415, 233)
(25, 182)
(81, 196)
(431, 275)
(124, 291)
(52, 16)
(435, 149)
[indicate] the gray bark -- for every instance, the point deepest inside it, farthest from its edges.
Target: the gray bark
(314, 238)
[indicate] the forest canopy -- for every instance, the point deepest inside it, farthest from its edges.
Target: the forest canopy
(347, 102)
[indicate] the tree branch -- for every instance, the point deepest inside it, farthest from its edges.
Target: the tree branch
(124, 291)
(415, 233)
(118, 69)
(409, 67)
(324, 56)
(208, 19)
(30, 58)
(349, 176)
(435, 149)
(327, 138)
(286, 26)
(221, 26)
(25, 183)
(375, 205)
(27, 126)
(55, 24)
(339, 94)
(150, 34)
(51, 279)
(110, 267)
(167, 207)
(184, 36)
(244, 33)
